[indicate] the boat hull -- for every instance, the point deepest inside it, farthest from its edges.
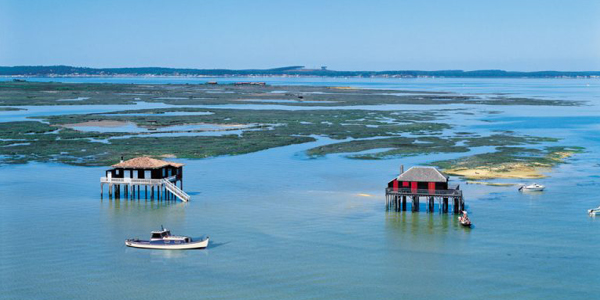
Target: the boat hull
(164, 246)
(464, 223)
(533, 189)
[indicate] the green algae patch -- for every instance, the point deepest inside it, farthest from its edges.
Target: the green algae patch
(400, 146)
(404, 146)
(59, 141)
(11, 109)
(81, 151)
(176, 131)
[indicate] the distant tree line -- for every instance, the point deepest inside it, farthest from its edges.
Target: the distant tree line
(291, 70)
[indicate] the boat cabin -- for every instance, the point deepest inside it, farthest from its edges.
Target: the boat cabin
(159, 235)
(165, 236)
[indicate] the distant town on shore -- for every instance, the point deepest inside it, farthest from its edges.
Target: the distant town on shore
(291, 71)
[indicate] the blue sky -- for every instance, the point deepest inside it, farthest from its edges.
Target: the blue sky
(344, 35)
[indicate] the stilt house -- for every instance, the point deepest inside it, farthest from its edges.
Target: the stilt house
(148, 172)
(426, 182)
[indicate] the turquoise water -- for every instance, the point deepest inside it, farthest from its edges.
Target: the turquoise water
(283, 226)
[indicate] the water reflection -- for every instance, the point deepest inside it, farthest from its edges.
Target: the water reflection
(417, 223)
(126, 204)
(149, 213)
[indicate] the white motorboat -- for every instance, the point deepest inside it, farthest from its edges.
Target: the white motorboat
(163, 240)
(532, 187)
(594, 211)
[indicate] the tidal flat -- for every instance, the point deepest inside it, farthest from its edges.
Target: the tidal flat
(57, 93)
(284, 221)
(193, 110)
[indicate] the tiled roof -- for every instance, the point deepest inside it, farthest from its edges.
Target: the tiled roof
(145, 162)
(423, 174)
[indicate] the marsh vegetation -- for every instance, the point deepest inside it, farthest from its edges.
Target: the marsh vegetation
(191, 125)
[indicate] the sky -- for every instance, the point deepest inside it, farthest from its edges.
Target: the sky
(524, 35)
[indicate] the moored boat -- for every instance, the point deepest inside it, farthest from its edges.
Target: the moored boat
(163, 240)
(532, 187)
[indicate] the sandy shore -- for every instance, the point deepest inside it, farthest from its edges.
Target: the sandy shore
(509, 170)
(492, 183)
(519, 170)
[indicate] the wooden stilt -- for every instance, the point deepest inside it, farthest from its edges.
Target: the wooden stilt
(445, 205)
(387, 203)
(430, 204)
(455, 207)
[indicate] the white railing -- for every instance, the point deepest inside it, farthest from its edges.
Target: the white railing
(136, 180)
(166, 182)
(130, 181)
(176, 191)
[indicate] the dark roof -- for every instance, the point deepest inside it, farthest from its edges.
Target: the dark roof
(423, 174)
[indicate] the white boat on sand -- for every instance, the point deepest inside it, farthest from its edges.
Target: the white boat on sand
(532, 187)
(163, 240)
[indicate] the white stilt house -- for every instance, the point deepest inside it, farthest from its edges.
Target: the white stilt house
(158, 176)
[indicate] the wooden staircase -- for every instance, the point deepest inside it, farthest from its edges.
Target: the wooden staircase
(179, 193)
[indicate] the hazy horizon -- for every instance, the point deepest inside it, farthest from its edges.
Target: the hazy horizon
(305, 67)
(466, 35)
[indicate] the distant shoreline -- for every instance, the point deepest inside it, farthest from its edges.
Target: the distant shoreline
(280, 76)
(294, 71)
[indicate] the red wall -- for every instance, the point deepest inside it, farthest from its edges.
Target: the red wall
(431, 186)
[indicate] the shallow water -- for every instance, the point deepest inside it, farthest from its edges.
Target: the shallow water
(284, 226)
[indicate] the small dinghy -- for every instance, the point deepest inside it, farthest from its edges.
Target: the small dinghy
(532, 188)
(594, 211)
(163, 240)
(464, 220)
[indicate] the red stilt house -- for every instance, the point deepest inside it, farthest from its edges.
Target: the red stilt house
(419, 182)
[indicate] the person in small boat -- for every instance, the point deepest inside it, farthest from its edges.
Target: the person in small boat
(465, 217)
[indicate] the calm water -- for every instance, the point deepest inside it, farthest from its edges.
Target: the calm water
(286, 227)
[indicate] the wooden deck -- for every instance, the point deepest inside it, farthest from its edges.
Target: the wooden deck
(165, 189)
